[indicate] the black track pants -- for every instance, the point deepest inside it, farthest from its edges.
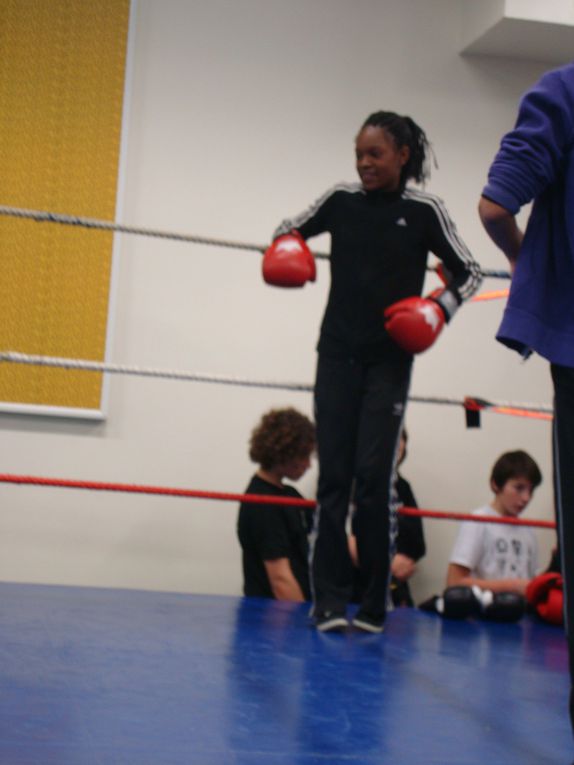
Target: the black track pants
(563, 442)
(359, 411)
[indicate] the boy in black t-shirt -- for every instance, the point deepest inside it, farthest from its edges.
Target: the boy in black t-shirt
(274, 538)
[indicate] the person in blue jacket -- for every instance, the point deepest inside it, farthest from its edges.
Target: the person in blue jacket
(535, 162)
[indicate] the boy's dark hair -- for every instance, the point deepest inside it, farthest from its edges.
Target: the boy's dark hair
(280, 436)
(405, 132)
(516, 464)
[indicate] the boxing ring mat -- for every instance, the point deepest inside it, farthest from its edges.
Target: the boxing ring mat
(125, 677)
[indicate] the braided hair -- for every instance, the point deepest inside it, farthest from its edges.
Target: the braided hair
(406, 132)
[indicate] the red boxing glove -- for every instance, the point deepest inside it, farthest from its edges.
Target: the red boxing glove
(545, 594)
(288, 262)
(414, 323)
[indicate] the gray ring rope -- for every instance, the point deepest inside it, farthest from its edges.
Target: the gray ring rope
(41, 216)
(99, 366)
(93, 223)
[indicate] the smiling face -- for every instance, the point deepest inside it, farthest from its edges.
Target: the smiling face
(512, 498)
(379, 159)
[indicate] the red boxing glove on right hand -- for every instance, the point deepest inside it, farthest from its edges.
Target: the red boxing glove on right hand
(414, 323)
(288, 262)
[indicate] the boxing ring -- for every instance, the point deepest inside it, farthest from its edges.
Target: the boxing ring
(93, 675)
(134, 678)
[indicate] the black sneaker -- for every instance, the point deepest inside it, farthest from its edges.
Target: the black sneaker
(363, 621)
(329, 621)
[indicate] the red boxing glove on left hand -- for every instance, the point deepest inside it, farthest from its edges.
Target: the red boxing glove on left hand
(414, 323)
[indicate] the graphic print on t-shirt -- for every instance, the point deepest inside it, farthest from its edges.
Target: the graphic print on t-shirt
(509, 557)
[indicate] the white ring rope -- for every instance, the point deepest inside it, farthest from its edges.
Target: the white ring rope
(41, 216)
(123, 369)
(73, 220)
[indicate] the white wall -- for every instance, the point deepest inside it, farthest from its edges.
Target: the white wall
(555, 11)
(242, 112)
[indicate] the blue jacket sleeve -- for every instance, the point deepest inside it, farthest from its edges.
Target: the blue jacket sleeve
(531, 155)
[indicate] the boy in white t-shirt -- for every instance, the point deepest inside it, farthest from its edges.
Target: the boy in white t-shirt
(496, 556)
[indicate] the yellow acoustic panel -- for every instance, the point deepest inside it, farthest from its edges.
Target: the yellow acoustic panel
(62, 75)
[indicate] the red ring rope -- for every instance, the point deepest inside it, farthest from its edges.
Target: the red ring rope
(492, 295)
(260, 499)
(509, 521)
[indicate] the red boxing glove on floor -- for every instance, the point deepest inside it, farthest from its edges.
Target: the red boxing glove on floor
(414, 323)
(545, 594)
(288, 262)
